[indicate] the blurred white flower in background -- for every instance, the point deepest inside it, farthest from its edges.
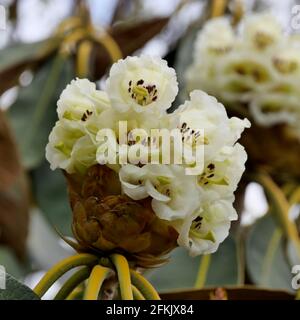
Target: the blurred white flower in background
(258, 68)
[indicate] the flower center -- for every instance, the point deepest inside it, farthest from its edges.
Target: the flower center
(191, 136)
(141, 93)
(209, 177)
(284, 65)
(62, 147)
(263, 40)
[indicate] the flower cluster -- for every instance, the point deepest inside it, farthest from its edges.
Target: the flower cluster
(257, 65)
(139, 90)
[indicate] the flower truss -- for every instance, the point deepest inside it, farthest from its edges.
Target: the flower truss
(139, 90)
(257, 65)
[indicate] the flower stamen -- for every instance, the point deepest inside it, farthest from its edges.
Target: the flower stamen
(141, 93)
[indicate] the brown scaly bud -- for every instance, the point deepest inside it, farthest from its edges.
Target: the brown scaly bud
(107, 221)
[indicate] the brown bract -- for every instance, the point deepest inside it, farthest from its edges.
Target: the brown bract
(14, 202)
(105, 220)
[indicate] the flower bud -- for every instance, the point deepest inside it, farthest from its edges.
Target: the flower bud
(104, 220)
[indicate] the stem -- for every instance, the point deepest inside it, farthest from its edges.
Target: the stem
(83, 59)
(202, 272)
(61, 268)
(98, 275)
(76, 294)
(218, 8)
(110, 45)
(238, 12)
(137, 293)
(123, 272)
(282, 207)
(72, 283)
(295, 196)
(143, 286)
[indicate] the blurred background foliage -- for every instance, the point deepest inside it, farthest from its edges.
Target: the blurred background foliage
(48, 43)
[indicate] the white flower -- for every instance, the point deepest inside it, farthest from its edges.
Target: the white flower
(174, 194)
(287, 61)
(204, 112)
(273, 108)
(203, 232)
(130, 130)
(70, 147)
(80, 100)
(222, 175)
(216, 37)
(83, 154)
(262, 29)
(141, 84)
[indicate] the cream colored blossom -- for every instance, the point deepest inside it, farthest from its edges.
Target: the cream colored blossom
(80, 100)
(262, 30)
(174, 194)
(69, 147)
(209, 226)
(142, 84)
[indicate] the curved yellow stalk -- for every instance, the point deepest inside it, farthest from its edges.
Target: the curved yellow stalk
(109, 44)
(281, 206)
(72, 39)
(98, 275)
(143, 286)
(61, 268)
(295, 196)
(137, 293)
(238, 11)
(67, 25)
(123, 272)
(202, 272)
(68, 287)
(76, 294)
(83, 58)
(218, 8)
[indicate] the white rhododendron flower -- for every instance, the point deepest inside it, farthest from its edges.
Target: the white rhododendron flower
(216, 37)
(62, 139)
(262, 29)
(174, 194)
(115, 128)
(206, 228)
(204, 112)
(142, 84)
(259, 67)
(80, 100)
(224, 173)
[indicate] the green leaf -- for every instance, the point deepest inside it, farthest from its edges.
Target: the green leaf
(20, 53)
(265, 257)
(21, 56)
(34, 113)
(50, 190)
(16, 291)
(181, 271)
